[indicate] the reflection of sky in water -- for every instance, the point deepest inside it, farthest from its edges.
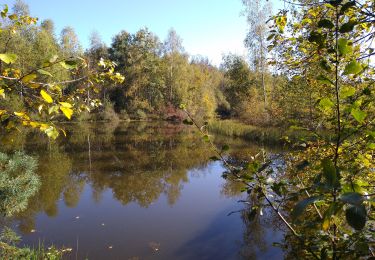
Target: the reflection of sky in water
(110, 219)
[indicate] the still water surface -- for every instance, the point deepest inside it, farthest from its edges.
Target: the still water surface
(140, 191)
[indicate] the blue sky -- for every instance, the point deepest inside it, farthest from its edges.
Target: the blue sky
(207, 27)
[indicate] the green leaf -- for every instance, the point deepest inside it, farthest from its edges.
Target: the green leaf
(356, 216)
(367, 91)
(8, 57)
(278, 188)
(333, 3)
(53, 109)
(69, 64)
(4, 11)
(353, 198)
(44, 72)
(354, 186)
(325, 65)
(300, 207)
(270, 37)
(371, 146)
(206, 138)
(225, 148)
(316, 37)
(347, 6)
(358, 115)
(334, 207)
(343, 46)
(354, 67)
(347, 91)
(187, 122)
(330, 173)
(325, 23)
(324, 80)
(13, 17)
(326, 103)
(347, 27)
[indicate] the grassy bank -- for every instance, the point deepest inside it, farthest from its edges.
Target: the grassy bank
(8, 251)
(271, 135)
(9, 248)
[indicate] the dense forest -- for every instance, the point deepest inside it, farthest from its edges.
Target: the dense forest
(310, 68)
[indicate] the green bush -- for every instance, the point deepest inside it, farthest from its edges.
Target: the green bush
(18, 182)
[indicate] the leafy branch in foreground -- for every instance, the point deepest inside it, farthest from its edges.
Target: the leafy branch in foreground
(330, 43)
(327, 201)
(44, 97)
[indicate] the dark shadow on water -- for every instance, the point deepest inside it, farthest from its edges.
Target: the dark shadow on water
(220, 241)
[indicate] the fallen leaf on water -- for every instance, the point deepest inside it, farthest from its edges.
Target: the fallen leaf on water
(32, 231)
(110, 247)
(77, 217)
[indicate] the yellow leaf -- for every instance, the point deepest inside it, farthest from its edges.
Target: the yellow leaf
(56, 88)
(2, 93)
(68, 112)
(66, 104)
(34, 124)
(325, 224)
(2, 112)
(20, 114)
(43, 127)
(34, 85)
(52, 132)
(46, 96)
(28, 78)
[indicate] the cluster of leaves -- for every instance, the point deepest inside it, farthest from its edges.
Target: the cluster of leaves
(45, 98)
(330, 45)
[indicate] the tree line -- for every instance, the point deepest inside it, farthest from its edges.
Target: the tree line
(160, 75)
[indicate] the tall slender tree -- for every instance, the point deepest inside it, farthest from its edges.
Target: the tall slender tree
(257, 13)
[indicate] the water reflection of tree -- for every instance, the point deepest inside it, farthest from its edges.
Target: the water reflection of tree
(257, 220)
(146, 165)
(257, 223)
(54, 168)
(138, 164)
(12, 140)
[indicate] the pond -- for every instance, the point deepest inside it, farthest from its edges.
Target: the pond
(140, 191)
